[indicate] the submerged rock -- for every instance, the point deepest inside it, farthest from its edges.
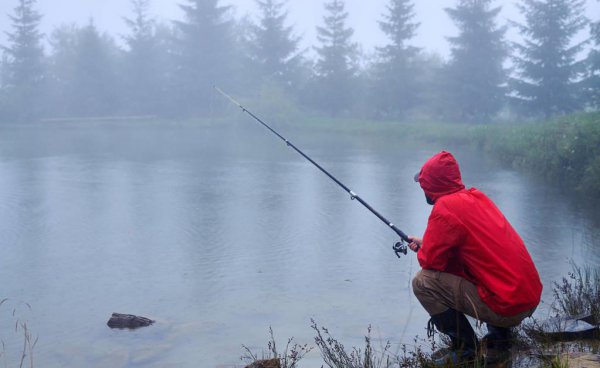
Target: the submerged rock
(118, 320)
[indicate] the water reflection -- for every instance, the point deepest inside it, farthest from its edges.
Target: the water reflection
(221, 232)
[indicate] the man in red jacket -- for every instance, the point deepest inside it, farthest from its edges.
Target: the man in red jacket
(473, 262)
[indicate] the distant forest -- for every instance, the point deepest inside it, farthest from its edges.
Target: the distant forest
(167, 68)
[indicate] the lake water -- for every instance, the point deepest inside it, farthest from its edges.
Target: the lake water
(220, 231)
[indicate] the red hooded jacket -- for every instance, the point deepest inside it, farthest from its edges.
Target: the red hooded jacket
(468, 236)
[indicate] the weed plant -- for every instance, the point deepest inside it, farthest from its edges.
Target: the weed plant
(21, 329)
(576, 294)
(336, 356)
(579, 293)
(290, 357)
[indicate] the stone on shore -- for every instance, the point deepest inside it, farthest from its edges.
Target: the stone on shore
(581, 360)
(270, 363)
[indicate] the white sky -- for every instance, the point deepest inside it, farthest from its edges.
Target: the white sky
(304, 15)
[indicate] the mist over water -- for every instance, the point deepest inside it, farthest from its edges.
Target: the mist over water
(220, 231)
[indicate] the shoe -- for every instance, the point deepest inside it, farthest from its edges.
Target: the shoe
(498, 338)
(497, 344)
(456, 359)
(497, 359)
(464, 341)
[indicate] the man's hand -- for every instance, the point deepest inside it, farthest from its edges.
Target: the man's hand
(415, 243)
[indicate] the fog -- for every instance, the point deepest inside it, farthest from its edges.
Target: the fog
(304, 15)
(452, 63)
(220, 231)
(129, 185)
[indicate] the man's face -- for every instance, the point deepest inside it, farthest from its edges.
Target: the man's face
(429, 201)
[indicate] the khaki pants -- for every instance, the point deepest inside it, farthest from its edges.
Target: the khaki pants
(437, 291)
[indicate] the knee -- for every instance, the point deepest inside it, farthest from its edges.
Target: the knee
(417, 283)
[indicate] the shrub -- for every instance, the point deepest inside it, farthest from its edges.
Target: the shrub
(290, 357)
(579, 293)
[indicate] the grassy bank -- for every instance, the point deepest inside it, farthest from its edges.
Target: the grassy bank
(565, 150)
(576, 294)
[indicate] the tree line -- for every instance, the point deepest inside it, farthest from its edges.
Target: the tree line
(168, 68)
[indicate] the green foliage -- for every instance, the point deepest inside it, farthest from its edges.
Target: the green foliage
(547, 64)
(565, 151)
(475, 75)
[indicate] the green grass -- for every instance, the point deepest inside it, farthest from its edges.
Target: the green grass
(565, 150)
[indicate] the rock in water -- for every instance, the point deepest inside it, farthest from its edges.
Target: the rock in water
(118, 320)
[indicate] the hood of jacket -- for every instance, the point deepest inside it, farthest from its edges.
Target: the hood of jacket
(440, 176)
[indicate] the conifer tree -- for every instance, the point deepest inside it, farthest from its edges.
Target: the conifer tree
(23, 79)
(145, 70)
(476, 76)
(593, 78)
(336, 66)
(84, 76)
(548, 70)
(395, 91)
(205, 54)
(3, 70)
(275, 46)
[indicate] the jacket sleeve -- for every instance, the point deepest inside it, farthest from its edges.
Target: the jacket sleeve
(441, 241)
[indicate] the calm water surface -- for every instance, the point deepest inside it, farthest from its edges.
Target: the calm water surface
(219, 232)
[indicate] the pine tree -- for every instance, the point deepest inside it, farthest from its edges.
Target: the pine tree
(205, 54)
(593, 77)
(396, 89)
(84, 73)
(275, 46)
(548, 76)
(145, 75)
(476, 76)
(336, 65)
(4, 112)
(3, 71)
(23, 79)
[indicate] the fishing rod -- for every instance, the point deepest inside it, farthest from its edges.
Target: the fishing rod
(399, 247)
